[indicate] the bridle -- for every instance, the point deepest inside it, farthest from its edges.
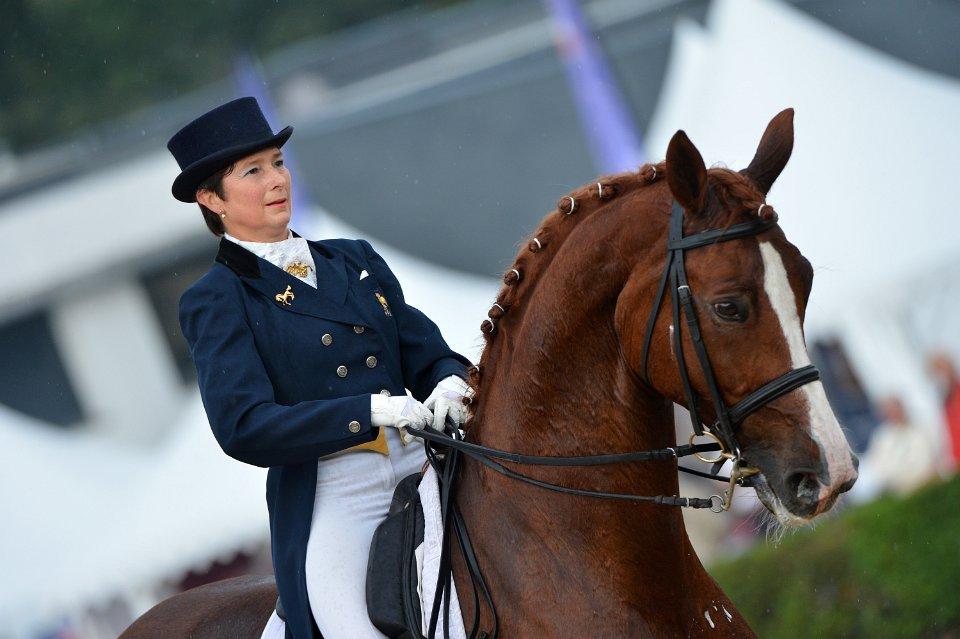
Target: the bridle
(727, 418)
(722, 431)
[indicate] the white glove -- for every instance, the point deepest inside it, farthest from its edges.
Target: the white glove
(447, 400)
(398, 412)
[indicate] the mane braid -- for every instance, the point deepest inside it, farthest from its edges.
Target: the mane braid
(537, 253)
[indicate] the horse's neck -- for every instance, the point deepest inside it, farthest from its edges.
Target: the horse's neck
(560, 387)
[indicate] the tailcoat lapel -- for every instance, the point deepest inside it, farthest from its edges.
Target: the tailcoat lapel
(327, 301)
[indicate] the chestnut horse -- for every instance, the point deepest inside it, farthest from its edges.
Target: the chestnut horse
(568, 370)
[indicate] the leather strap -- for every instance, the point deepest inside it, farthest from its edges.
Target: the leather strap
(772, 390)
(744, 229)
(469, 448)
(483, 455)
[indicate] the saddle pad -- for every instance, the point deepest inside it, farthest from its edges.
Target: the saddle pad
(428, 559)
(275, 629)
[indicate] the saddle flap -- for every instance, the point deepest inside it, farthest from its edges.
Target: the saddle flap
(405, 491)
(393, 602)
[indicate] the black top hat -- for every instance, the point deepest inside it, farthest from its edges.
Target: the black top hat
(217, 138)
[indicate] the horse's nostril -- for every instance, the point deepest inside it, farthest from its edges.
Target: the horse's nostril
(805, 488)
(855, 460)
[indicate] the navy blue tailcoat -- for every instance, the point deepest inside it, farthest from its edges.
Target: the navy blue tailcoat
(285, 383)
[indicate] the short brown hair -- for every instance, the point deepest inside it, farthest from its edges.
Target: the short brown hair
(214, 183)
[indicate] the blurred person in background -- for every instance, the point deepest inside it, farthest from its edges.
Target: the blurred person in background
(902, 456)
(304, 351)
(948, 383)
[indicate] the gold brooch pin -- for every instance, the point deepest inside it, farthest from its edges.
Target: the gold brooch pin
(297, 269)
(383, 303)
(285, 296)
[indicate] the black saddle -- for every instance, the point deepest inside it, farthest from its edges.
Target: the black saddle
(392, 601)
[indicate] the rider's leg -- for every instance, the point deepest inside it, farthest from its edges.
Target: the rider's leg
(353, 496)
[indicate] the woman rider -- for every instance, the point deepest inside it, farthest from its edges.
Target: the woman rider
(303, 352)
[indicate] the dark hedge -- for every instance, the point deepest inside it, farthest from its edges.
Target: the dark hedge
(890, 568)
(66, 65)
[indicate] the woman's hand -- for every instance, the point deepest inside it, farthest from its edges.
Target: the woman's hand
(398, 412)
(447, 400)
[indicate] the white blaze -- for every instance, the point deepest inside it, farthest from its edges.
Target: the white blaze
(824, 427)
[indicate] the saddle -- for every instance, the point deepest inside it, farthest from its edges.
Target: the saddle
(393, 583)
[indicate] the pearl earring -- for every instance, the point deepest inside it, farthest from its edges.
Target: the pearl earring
(222, 214)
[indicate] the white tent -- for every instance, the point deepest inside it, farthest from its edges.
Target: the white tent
(867, 195)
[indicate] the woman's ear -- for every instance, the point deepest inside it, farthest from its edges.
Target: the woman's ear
(686, 173)
(210, 200)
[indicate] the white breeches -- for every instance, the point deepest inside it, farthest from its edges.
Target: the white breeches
(354, 489)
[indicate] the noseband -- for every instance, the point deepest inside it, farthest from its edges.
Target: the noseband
(727, 417)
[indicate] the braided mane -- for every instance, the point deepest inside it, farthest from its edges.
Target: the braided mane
(734, 190)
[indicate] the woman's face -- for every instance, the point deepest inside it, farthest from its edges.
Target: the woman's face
(256, 197)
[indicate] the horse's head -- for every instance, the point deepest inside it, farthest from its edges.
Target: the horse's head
(750, 296)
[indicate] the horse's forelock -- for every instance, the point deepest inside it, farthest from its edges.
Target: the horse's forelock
(735, 191)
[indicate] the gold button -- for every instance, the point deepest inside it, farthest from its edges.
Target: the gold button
(341, 371)
(327, 339)
(371, 362)
(354, 426)
(358, 329)
(385, 392)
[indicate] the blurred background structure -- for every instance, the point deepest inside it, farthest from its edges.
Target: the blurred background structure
(443, 133)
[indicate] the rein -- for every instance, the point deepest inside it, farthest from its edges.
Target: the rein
(483, 455)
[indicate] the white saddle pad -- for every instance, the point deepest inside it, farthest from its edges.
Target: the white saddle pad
(428, 559)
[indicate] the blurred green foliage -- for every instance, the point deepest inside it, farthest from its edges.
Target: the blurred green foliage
(65, 64)
(887, 569)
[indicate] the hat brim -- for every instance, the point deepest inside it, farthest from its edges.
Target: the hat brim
(185, 185)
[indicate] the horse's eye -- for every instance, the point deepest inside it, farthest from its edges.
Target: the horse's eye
(729, 311)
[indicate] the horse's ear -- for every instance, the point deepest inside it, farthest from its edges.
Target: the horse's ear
(774, 150)
(686, 173)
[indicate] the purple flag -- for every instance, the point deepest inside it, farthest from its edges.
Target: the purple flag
(611, 134)
(250, 81)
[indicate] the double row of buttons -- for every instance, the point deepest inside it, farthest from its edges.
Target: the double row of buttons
(327, 339)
